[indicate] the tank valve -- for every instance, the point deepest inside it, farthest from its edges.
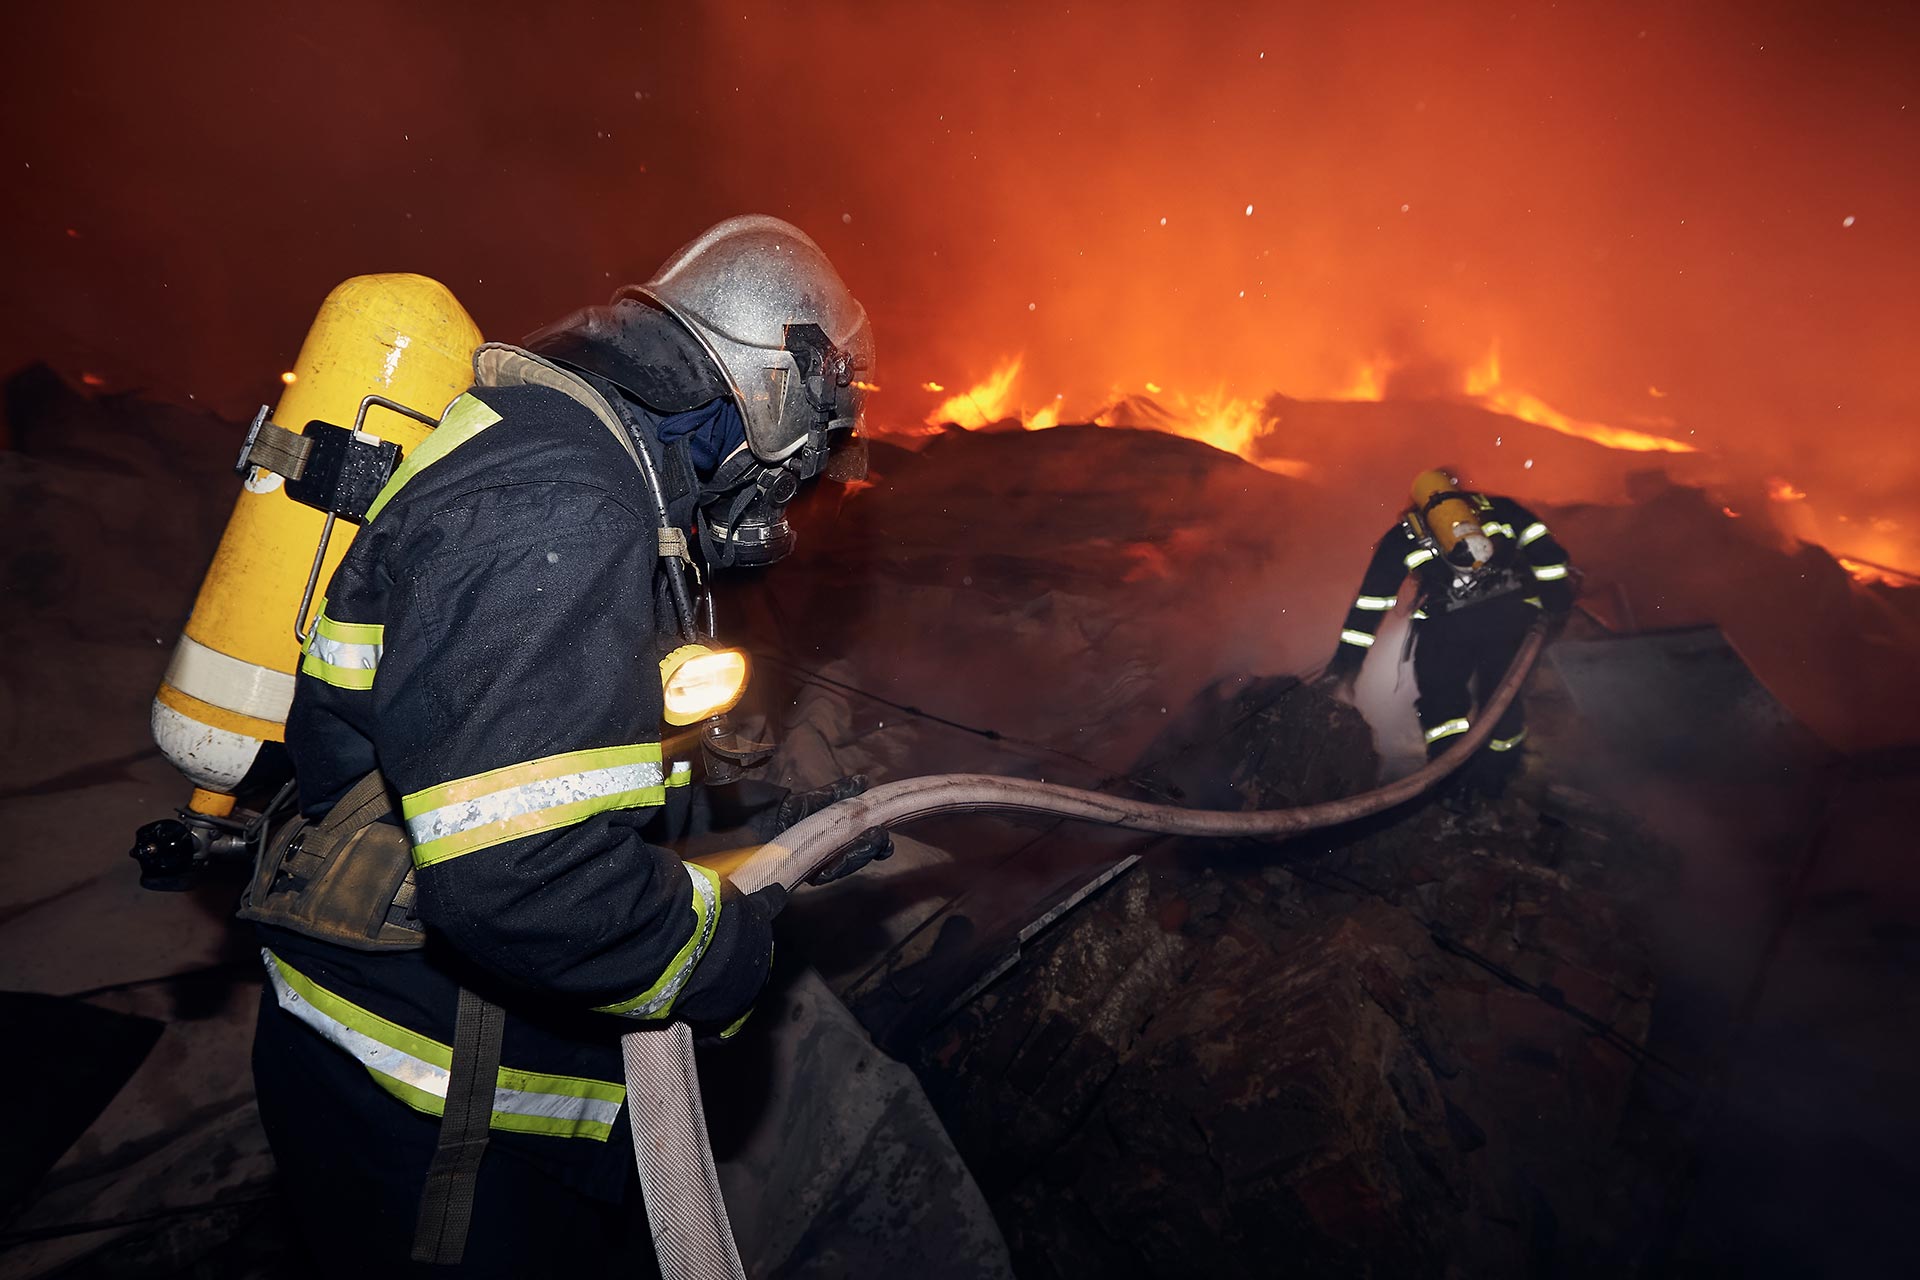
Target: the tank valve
(166, 851)
(172, 854)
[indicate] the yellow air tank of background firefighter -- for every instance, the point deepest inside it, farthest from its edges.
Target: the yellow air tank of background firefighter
(1452, 519)
(228, 688)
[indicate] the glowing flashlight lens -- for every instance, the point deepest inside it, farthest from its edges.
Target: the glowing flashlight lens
(704, 684)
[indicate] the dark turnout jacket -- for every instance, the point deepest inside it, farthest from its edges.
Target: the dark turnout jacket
(492, 643)
(1526, 558)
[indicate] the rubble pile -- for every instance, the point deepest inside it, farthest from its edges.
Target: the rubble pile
(1254, 1060)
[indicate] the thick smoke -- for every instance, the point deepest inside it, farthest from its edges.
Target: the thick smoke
(1714, 205)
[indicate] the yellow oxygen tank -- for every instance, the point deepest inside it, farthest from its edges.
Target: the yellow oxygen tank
(1449, 515)
(228, 688)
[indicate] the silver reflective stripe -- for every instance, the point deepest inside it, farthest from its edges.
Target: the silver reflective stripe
(338, 653)
(1418, 557)
(1533, 533)
(381, 1059)
(399, 1065)
(668, 991)
(1446, 729)
(1374, 604)
(532, 797)
(1496, 526)
(1549, 572)
(1360, 638)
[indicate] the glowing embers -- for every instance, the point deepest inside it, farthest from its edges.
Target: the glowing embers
(701, 682)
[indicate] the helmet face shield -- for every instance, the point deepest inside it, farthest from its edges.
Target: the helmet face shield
(741, 288)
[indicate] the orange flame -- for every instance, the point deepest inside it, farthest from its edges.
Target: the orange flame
(1865, 571)
(1369, 381)
(1483, 383)
(983, 404)
(1783, 491)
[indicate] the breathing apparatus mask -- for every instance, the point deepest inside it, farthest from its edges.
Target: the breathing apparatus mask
(743, 518)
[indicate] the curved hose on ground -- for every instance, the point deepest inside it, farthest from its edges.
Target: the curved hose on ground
(677, 1174)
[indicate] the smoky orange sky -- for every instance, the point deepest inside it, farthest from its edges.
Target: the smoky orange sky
(1714, 201)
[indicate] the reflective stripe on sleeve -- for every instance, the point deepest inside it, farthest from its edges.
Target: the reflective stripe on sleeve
(680, 774)
(1507, 744)
(1533, 533)
(1375, 604)
(343, 654)
(1496, 526)
(1418, 556)
(1361, 638)
(657, 1000)
(1549, 572)
(1446, 729)
(415, 1068)
(491, 808)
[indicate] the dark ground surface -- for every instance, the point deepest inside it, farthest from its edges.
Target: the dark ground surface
(1228, 1059)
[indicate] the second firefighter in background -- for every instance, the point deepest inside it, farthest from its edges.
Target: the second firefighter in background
(1484, 568)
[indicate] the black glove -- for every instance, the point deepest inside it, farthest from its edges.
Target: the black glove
(875, 844)
(801, 805)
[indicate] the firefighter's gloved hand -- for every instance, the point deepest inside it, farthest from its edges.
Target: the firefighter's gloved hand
(801, 805)
(875, 844)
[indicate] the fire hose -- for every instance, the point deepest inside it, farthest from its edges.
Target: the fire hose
(678, 1177)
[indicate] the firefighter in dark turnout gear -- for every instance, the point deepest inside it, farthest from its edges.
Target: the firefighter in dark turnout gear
(1484, 567)
(492, 646)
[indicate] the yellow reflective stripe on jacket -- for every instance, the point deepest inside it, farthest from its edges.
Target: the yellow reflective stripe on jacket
(1361, 638)
(343, 654)
(657, 1000)
(1549, 572)
(1375, 604)
(415, 1068)
(1507, 744)
(464, 419)
(491, 808)
(1418, 556)
(1446, 729)
(1533, 533)
(681, 773)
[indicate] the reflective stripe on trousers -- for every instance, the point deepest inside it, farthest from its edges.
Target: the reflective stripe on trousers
(415, 1068)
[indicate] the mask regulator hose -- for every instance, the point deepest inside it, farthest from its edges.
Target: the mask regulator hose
(678, 1177)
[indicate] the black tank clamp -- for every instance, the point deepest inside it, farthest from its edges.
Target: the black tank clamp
(337, 470)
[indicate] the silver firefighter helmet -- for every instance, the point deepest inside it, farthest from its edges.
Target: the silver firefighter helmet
(795, 347)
